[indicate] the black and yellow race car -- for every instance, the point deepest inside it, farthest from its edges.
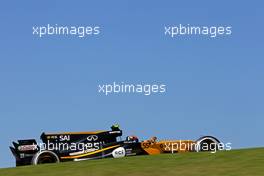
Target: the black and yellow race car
(77, 146)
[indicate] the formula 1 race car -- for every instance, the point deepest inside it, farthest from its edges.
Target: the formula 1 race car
(77, 146)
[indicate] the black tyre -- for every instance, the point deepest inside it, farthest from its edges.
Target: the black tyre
(207, 143)
(44, 157)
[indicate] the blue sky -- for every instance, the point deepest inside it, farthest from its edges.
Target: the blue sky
(214, 86)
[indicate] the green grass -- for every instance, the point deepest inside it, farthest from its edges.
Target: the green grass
(246, 162)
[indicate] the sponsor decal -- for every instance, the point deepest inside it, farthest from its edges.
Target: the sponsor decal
(92, 138)
(64, 137)
(27, 147)
(119, 152)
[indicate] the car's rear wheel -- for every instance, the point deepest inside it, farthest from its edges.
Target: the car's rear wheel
(44, 157)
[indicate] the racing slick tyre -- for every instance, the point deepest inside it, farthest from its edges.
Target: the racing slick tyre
(44, 157)
(207, 143)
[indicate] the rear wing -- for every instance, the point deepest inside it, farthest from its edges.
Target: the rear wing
(24, 150)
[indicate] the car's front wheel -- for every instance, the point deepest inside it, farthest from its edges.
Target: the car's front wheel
(207, 143)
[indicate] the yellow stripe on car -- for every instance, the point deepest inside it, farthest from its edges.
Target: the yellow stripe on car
(90, 153)
(69, 133)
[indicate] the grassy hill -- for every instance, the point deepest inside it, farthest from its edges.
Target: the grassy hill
(246, 162)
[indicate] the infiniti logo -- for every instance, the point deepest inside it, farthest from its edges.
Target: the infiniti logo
(92, 138)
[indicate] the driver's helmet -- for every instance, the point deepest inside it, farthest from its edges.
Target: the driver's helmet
(132, 138)
(115, 127)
